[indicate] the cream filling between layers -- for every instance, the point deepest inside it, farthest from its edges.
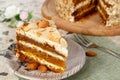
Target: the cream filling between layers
(40, 49)
(82, 4)
(59, 48)
(42, 61)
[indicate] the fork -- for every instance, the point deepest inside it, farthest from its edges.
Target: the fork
(87, 43)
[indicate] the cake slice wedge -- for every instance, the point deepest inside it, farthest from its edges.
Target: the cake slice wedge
(42, 42)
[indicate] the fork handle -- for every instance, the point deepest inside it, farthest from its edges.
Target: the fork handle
(109, 51)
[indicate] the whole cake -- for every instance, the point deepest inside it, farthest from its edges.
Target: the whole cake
(110, 11)
(41, 42)
(74, 10)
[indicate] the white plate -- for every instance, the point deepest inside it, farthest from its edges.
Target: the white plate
(76, 60)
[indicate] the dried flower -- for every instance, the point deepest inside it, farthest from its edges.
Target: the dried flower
(24, 15)
(14, 17)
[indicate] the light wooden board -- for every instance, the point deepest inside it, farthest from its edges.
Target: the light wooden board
(91, 25)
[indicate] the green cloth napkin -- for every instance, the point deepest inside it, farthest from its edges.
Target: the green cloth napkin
(101, 67)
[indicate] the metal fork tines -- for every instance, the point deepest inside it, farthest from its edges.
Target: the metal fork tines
(87, 43)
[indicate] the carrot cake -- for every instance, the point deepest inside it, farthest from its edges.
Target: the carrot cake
(74, 10)
(42, 43)
(110, 11)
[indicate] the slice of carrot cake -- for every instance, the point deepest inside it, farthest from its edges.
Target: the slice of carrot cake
(41, 42)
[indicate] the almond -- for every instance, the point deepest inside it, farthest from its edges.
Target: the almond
(42, 68)
(32, 66)
(91, 53)
(43, 23)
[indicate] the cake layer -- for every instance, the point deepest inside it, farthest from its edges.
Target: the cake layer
(53, 54)
(55, 66)
(23, 58)
(42, 55)
(81, 8)
(79, 13)
(42, 47)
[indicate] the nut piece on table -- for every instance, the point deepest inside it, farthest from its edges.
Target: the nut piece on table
(91, 53)
(32, 66)
(42, 68)
(43, 23)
